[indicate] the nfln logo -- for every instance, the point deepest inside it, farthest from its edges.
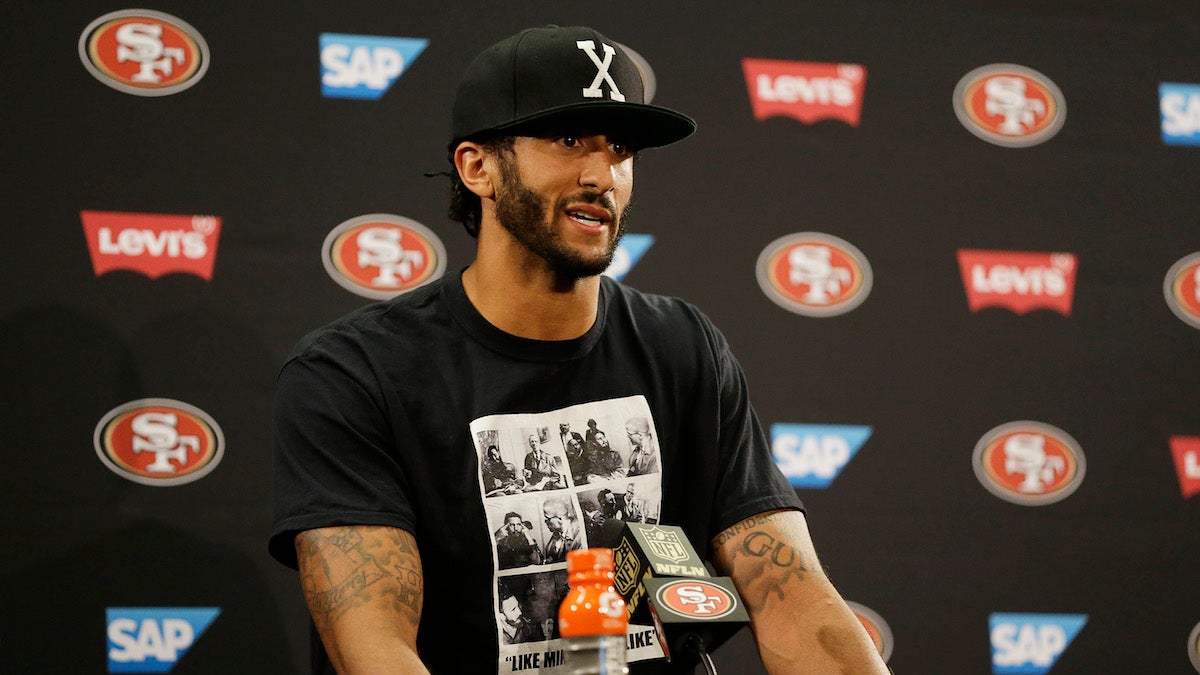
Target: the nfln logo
(364, 66)
(812, 455)
(153, 639)
(1030, 644)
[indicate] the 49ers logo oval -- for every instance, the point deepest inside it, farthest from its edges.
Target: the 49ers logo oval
(1029, 463)
(143, 52)
(878, 629)
(1182, 289)
(159, 441)
(695, 599)
(379, 255)
(814, 274)
(1009, 105)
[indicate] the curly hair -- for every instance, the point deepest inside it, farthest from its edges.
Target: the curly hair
(465, 206)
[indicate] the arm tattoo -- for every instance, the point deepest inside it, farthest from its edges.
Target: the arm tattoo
(770, 564)
(341, 570)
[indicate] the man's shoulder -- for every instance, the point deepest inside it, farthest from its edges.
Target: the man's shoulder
(654, 307)
(655, 317)
(377, 325)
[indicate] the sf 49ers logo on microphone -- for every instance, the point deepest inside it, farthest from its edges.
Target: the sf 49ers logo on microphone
(380, 256)
(695, 599)
(144, 53)
(1009, 105)
(814, 274)
(1029, 463)
(159, 441)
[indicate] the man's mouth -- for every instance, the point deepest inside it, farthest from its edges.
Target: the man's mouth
(590, 217)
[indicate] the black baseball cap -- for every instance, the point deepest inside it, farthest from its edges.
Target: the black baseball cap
(542, 77)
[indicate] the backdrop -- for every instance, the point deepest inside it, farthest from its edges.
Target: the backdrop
(954, 245)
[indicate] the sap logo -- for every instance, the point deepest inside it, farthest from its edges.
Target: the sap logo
(628, 253)
(1031, 643)
(812, 455)
(1180, 108)
(153, 639)
(364, 66)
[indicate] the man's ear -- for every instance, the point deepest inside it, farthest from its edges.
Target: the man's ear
(470, 159)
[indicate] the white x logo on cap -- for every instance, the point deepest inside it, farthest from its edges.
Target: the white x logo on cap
(594, 91)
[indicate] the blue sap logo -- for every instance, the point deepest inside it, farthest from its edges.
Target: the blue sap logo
(1180, 108)
(364, 66)
(1030, 644)
(628, 253)
(153, 639)
(812, 455)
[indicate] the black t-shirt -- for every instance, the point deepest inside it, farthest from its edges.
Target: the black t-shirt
(385, 416)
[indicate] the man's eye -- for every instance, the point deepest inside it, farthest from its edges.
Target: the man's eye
(619, 149)
(569, 141)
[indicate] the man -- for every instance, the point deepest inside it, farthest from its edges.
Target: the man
(605, 462)
(517, 627)
(499, 476)
(540, 472)
(564, 531)
(643, 459)
(378, 486)
(514, 543)
(576, 459)
(631, 508)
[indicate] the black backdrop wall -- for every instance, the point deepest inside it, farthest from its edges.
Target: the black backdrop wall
(1018, 274)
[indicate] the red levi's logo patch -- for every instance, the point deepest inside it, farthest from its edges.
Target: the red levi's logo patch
(152, 244)
(1018, 281)
(1186, 450)
(806, 91)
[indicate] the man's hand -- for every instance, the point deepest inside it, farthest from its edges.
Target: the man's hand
(799, 621)
(364, 588)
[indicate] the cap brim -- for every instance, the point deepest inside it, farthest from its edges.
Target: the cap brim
(645, 126)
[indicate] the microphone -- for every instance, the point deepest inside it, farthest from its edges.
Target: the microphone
(659, 574)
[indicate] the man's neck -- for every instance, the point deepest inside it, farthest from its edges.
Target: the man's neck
(517, 293)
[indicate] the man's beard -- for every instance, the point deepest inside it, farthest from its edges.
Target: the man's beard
(523, 213)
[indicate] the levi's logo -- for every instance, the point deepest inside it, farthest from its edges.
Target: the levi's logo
(1018, 281)
(150, 243)
(1186, 450)
(808, 92)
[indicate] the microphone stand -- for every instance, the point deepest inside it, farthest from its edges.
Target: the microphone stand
(693, 642)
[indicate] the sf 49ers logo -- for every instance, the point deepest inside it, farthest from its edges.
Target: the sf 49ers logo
(814, 274)
(144, 53)
(1182, 289)
(696, 599)
(1009, 105)
(379, 256)
(1029, 463)
(158, 441)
